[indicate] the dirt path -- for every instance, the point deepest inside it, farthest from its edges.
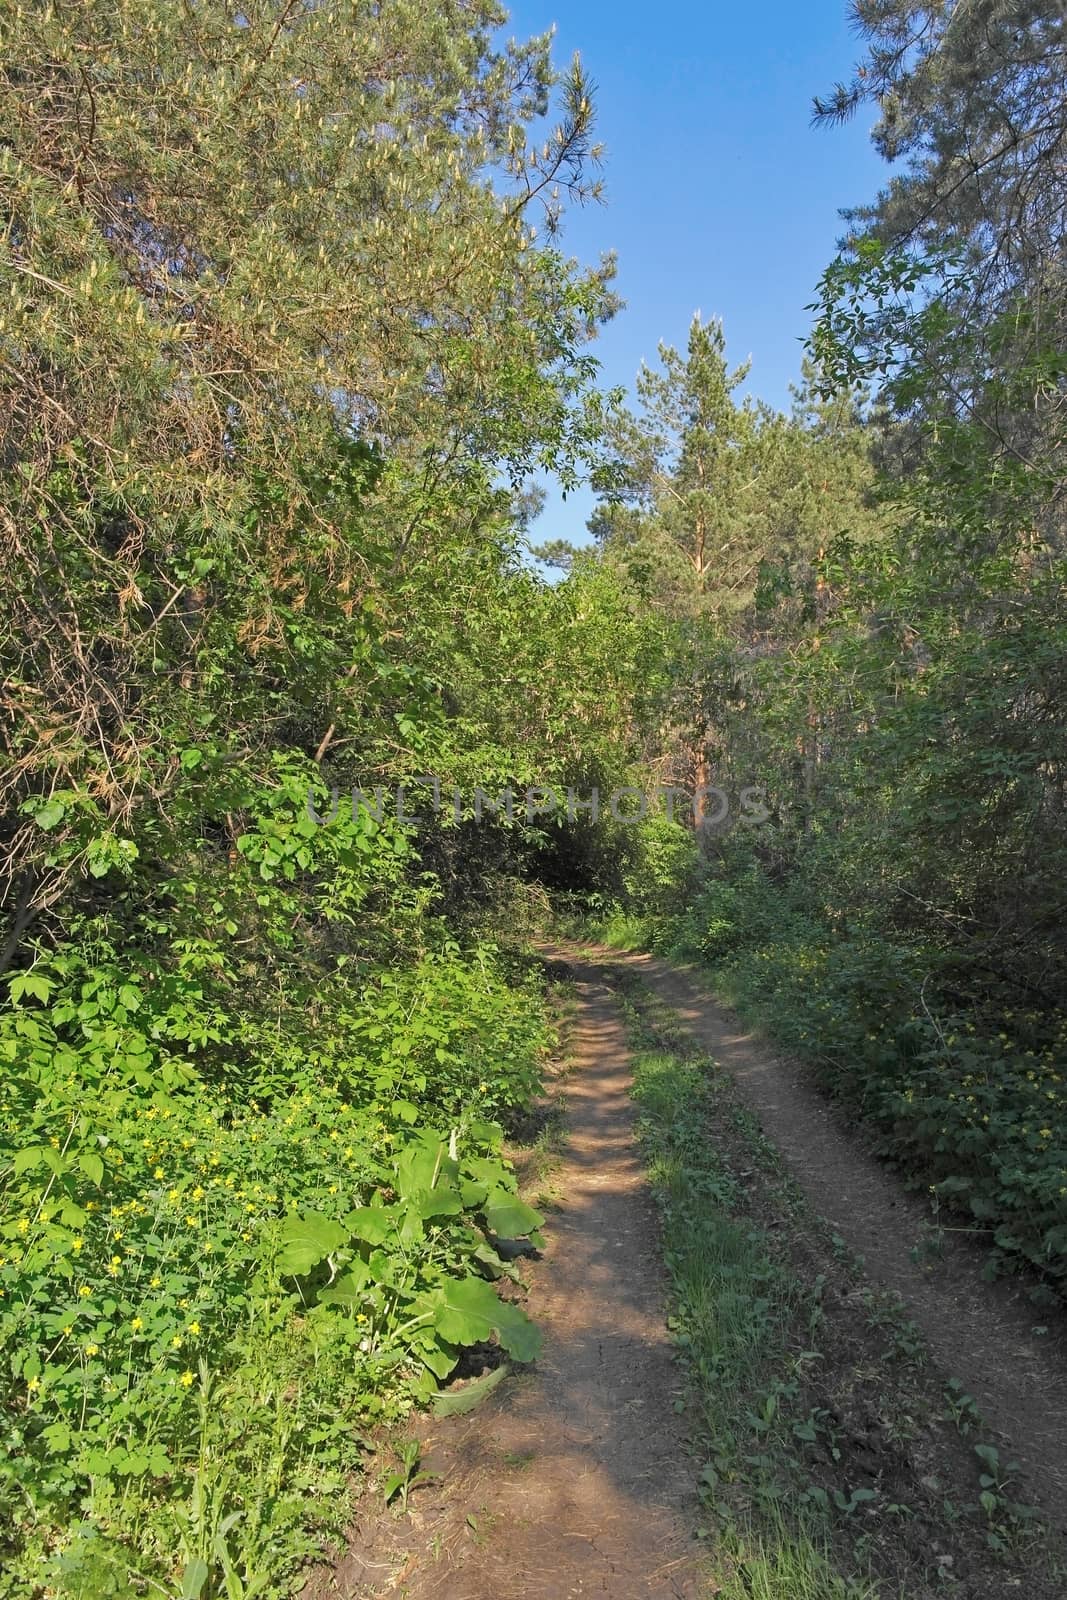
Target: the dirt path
(978, 1332)
(573, 1479)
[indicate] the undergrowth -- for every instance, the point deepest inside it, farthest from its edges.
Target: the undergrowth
(833, 1463)
(209, 1295)
(966, 1092)
(733, 1305)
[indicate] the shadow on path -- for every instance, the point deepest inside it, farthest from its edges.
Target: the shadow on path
(573, 1479)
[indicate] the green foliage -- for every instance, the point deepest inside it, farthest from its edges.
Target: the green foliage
(969, 1100)
(280, 345)
(733, 1307)
(408, 1476)
(895, 681)
(158, 1241)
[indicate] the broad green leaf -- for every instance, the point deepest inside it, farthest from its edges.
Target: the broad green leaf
(50, 815)
(57, 1437)
(308, 1240)
(520, 1337)
(468, 1311)
(373, 1224)
(439, 1202)
(490, 1170)
(31, 983)
(391, 1483)
(487, 1133)
(438, 1355)
(422, 1164)
(487, 1257)
(194, 1577)
(351, 1288)
(412, 1231)
(472, 1193)
(510, 1217)
(92, 1166)
(454, 1402)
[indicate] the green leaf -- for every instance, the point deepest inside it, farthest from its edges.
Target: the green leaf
(32, 983)
(487, 1257)
(50, 815)
(422, 1164)
(509, 1217)
(454, 1402)
(27, 1159)
(467, 1311)
(520, 1337)
(439, 1202)
(92, 1166)
(308, 1240)
(439, 1356)
(392, 1483)
(195, 1576)
(57, 1437)
(373, 1224)
(351, 1288)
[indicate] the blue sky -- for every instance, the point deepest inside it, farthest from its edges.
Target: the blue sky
(720, 195)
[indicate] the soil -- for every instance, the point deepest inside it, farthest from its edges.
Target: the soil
(979, 1332)
(573, 1478)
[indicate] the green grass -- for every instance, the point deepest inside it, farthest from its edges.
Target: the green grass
(777, 1563)
(732, 1307)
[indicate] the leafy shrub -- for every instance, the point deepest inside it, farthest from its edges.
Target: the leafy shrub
(973, 1110)
(193, 1281)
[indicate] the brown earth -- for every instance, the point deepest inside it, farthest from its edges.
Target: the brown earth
(981, 1333)
(573, 1478)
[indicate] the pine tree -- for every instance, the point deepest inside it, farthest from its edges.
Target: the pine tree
(685, 507)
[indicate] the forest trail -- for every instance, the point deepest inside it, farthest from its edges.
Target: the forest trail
(573, 1479)
(981, 1333)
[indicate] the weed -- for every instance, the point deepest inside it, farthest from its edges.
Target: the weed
(733, 1309)
(407, 1477)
